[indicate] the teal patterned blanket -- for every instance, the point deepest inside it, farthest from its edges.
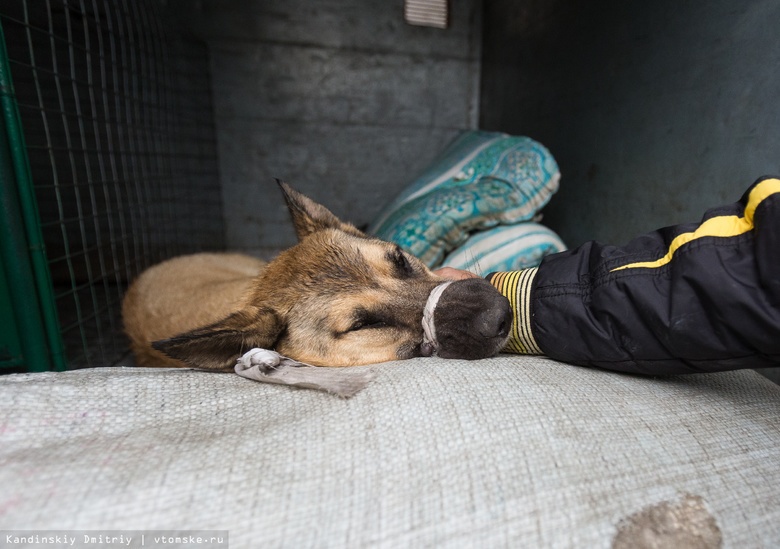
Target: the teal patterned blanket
(482, 180)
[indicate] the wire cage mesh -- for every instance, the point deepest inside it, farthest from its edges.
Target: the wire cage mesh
(116, 111)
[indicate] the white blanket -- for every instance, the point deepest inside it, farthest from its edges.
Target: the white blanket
(505, 452)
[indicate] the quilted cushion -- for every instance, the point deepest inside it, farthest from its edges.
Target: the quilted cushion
(481, 180)
(505, 248)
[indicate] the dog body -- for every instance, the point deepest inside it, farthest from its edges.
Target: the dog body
(337, 298)
(182, 294)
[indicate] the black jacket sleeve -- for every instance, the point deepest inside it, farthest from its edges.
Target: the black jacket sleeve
(699, 297)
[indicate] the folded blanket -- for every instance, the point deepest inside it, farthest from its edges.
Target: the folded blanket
(481, 180)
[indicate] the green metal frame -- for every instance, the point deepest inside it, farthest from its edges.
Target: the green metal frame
(30, 336)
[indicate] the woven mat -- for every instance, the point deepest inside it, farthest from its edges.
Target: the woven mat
(510, 451)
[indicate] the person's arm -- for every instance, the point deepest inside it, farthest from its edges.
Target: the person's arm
(451, 273)
(699, 297)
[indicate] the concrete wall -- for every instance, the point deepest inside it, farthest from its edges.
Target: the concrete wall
(654, 110)
(340, 98)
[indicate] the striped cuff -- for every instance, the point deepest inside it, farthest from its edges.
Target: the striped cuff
(516, 287)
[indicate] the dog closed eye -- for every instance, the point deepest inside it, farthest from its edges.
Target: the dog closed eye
(365, 320)
(360, 325)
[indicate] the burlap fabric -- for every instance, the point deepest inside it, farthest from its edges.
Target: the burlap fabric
(506, 452)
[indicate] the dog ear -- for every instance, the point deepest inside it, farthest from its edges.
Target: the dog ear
(309, 216)
(218, 346)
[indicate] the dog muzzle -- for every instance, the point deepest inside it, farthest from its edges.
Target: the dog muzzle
(430, 345)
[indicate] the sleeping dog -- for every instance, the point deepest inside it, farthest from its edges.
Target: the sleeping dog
(337, 298)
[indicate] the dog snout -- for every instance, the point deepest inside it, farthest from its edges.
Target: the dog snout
(495, 321)
(472, 320)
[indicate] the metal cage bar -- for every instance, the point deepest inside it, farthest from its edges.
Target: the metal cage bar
(117, 117)
(27, 275)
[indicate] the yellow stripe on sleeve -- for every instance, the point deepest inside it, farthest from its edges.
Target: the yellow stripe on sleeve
(722, 226)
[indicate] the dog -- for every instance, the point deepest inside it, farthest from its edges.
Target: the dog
(339, 297)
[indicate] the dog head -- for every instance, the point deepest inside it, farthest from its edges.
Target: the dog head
(342, 298)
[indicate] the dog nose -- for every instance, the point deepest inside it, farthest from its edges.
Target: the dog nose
(472, 320)
(495, 321)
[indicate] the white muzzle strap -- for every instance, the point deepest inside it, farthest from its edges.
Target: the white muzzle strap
(429, 329)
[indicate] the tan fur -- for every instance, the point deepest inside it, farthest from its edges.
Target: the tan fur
(209, 308)
(182, 294)
(337, 298)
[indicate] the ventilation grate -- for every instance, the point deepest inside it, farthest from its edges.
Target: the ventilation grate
(427, 13)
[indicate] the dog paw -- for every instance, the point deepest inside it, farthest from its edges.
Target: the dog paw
(263, 359)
